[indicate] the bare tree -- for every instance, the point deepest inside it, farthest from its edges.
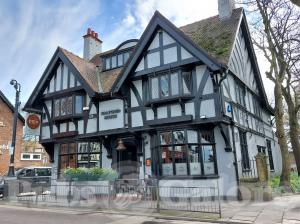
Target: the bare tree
(276, 34)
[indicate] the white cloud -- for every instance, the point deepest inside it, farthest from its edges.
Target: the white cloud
(180, 13)
(29, 39)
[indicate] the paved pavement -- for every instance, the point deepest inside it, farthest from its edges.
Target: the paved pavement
(285, 210)
(281, 210)
(21, 215)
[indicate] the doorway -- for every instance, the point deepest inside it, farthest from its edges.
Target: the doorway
(128, 164)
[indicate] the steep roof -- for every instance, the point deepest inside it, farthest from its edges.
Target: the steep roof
(216, 37)
(10, 106)
(108, 78)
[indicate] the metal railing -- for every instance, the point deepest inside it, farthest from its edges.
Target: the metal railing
(122, 195)
(248, 170)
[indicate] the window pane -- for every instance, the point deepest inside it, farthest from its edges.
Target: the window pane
(206, 137)
(64, 149)
(178, 137)
(69, 105)
(180, 157)
(83, 160)
(73, 161)
(208, 159)
(120, 60)
(25, 156)
(56, 108)
(126, 56)
(63, 163)
(94, 147)
(195, 160)
(167, 164)
(43, 172)
(78, 104)
(166, 138)
(63, 106)
(83, 147)
(72, 148)
(36, 157)
(94, 160)
(113, 62)
(107, 63)
(154, 85)
(192, 136)
(164, 85)
(174, 84)
(187, 82)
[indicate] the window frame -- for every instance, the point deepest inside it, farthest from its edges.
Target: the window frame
(199, 146)
(108, 59)
(245, 160)
(180, 80)
(73, 113)
(76, 153)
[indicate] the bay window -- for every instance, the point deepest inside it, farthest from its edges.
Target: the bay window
(170, 84)
(187, 152)
(81, 154)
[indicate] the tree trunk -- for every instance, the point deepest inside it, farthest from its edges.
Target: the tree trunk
(294, 133)
(285, 175)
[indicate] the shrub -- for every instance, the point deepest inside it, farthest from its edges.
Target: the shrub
(90, 174)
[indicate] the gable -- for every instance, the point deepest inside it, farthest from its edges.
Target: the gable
(162, 50)
(149, 36)
(243, 63)
(61, 79)
(64, 71)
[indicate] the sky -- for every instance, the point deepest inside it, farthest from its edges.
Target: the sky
(31, 31)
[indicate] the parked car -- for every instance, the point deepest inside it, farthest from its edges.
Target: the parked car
(35, 176)
(1, 186)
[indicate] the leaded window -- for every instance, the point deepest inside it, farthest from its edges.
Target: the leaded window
(187, 152)
(240, 94)
(244, 150)
(64, 106)
(81, 154)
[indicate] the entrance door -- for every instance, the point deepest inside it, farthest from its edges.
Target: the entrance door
(128, 165)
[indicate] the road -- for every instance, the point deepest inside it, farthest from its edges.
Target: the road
(21, 215)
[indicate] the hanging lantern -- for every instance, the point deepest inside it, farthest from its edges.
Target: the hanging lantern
(121, 146)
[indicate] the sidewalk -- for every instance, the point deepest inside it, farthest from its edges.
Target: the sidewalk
(281, 210)
(284, 209)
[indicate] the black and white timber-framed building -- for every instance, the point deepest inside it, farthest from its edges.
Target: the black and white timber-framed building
(188, 104)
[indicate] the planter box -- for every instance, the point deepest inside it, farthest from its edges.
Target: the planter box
(83, 188)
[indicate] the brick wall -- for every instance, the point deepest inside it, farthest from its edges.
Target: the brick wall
(6, 116)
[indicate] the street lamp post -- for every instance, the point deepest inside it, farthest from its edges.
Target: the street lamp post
(17, 86)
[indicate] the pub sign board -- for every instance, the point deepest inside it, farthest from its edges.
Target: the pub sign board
(33, 123)
(111, 114)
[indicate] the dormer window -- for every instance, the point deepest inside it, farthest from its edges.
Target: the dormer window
(115, 61)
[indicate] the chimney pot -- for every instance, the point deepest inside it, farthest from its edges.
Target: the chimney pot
(92, 44)
(225, 8)
(88, 31)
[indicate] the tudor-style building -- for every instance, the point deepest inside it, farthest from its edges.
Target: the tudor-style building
(187, 103)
